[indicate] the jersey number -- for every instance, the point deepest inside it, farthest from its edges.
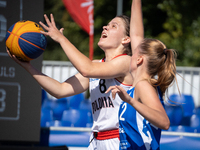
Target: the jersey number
(123, 111)
(102, 86)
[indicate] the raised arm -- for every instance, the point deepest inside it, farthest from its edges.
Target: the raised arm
(136, 25)
(82, 63)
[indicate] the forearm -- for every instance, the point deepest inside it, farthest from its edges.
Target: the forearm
(82, 63)
(155, 117)
(136, 24)
(72, 86)
(50, 85)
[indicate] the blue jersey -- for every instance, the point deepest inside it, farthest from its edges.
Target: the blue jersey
(136, 133)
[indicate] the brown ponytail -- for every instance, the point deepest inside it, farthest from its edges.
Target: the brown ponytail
(161, 63)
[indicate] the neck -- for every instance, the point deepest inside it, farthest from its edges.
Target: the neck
(139, 75)
(111, 55)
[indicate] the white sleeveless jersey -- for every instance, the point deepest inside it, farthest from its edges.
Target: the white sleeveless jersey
(104, 108)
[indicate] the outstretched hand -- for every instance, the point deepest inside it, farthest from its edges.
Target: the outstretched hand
(121, 92)
(51, 29)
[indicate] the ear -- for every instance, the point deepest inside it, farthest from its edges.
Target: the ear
(140, 60)
(126, 40)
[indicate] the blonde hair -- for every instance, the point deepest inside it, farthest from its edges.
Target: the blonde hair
(161, 63)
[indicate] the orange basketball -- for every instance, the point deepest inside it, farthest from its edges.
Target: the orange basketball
(25, 41)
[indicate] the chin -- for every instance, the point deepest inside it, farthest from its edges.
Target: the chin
(100, 44)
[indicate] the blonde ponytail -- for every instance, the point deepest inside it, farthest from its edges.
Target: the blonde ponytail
(161, 63)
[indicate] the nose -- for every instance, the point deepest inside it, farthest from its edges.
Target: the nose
(105, 27)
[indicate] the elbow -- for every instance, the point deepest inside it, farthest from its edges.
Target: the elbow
(85, 73)
(166, 127)
(166, 124)
(58, 96)
(87, 69)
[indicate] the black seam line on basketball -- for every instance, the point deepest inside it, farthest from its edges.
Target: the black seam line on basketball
(26, 40)
(18, 30)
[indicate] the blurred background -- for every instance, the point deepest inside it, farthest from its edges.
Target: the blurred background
(176, 23)
(68, 121)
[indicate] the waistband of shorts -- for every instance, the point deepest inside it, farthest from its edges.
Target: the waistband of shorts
(104, 135)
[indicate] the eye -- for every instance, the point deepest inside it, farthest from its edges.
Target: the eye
(114, 26)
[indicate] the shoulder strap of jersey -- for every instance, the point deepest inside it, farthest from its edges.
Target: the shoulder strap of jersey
(103, 59)
(118, 56)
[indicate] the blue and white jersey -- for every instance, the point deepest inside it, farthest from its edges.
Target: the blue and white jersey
(136, 133)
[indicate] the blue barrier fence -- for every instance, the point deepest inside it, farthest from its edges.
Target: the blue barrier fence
(65, 116)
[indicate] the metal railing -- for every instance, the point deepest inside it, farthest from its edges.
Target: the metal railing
(188, 81)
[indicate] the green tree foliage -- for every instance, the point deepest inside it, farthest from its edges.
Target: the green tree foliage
(175, 22)
(71, 30)
(104, 11)
(182, 30)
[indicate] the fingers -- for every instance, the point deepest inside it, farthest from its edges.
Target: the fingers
(11, 56)
(45, 33)
(61, 30)
(109, 89)
(50, 24)
(15, 59)
(52, 20)
(114, 90)
(50, 27)
(120, 88)
(120, 91)
(43, 25)
(47, 20)
(7, 50)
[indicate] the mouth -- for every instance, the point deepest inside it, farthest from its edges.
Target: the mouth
(104, 35)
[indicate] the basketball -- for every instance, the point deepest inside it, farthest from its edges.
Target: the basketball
(24, 40)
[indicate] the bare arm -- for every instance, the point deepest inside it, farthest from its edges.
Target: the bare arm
(136, 25)
(82, 63)
(146, 102)
(74, 85)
